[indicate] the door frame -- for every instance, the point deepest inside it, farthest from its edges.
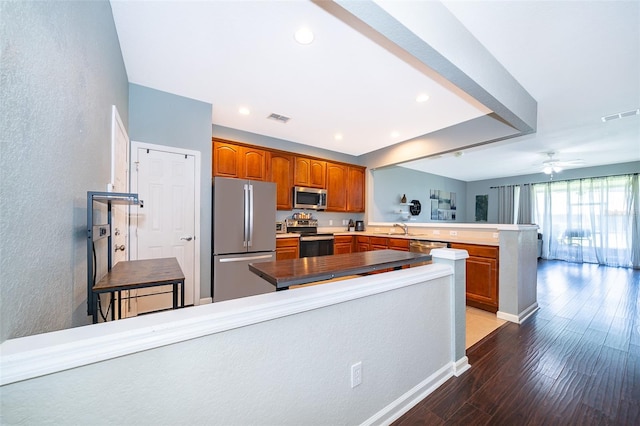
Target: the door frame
(135, 145)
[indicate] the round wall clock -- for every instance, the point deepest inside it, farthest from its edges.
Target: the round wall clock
(415, 207)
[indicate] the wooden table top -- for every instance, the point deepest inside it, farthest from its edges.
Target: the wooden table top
(284, 273)
(140, 273)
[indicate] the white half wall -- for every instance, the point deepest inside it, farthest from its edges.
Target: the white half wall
(282, 358)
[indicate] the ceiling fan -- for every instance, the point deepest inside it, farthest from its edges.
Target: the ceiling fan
(553, 165)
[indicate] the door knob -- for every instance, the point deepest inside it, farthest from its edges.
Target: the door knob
(188, 238)
(119, 247)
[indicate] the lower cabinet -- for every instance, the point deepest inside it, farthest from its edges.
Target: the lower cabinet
(400, 244)
(482, 276)
(342, 244)
(287, 248)
(362, 243)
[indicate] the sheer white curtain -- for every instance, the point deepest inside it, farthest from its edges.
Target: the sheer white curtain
(591, 220)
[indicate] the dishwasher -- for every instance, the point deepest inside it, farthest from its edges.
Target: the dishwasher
(422, 246)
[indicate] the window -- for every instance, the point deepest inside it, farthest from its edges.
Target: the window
(591, 220)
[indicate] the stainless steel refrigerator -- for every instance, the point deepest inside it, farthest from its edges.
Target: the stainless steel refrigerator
(244, 231)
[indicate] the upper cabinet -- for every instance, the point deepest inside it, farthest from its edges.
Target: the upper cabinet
(345, 183)
(280, 171)
(237, 161)
(310, 173)
(336, 187)
(355, 189)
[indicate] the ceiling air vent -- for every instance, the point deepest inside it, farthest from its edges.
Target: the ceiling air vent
(277, 117)
(620, 115)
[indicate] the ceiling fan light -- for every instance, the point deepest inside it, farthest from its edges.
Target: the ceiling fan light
(547, 170)
(557, 169)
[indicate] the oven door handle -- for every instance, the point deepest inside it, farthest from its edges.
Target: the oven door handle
(317, 238)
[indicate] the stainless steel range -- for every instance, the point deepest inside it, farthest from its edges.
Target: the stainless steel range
(312, 243)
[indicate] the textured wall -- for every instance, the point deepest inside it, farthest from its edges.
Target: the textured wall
(162, 118)
(292, 370)
(61, 71)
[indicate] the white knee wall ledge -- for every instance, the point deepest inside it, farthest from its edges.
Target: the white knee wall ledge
(28, 357)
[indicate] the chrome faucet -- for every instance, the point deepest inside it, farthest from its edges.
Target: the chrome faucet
(404, 227)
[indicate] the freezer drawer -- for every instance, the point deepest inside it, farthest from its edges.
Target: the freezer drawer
(233, 279)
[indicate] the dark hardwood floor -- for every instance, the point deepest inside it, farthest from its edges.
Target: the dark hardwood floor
(575, 362)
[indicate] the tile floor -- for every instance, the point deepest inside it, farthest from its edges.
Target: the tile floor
(479, 324)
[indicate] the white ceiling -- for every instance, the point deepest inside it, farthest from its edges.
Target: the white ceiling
(579, 60)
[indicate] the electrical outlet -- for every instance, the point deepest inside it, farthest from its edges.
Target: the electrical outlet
(356, 374)
(436, 232)
(453, 233)
(330, 222)
(495, 235)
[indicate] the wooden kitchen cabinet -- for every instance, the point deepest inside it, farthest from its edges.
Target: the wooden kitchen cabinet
(238, 161)
(342, 244)
(482, 276)
(287, 248)
(355, 189)
(310, 173)
(378, 243)
(345, 188)
(336, 187)
(400, 244)
(280, 171)
(226, 159)
(345, 183)
(362, 243)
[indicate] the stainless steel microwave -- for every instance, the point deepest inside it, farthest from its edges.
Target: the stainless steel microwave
(309, 198)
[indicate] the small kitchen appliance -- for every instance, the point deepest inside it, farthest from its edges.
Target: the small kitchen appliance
(309, 198)
(359, 225)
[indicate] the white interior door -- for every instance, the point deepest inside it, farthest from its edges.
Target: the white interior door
(165, 181)
(120, 214)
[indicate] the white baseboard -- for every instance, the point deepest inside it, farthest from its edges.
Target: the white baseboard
(400, 406)
(521, 317)
(206, 300)
(460, 366)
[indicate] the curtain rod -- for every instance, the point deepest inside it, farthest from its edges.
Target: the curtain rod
(565, 180)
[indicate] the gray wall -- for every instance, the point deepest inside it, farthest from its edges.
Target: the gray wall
(62, 69)
(483, 187)
(390, 183)
(162, 118)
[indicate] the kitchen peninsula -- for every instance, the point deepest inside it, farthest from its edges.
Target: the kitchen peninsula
(285, 273)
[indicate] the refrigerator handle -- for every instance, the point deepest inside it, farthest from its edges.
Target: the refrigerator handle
(246, 215)
(250, 238)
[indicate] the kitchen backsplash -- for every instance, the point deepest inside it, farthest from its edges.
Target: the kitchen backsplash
(325, 219)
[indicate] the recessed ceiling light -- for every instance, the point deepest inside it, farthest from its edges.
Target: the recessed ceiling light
(244, 111)
(304, 36)
(422, 97)
(338, 136)
(395, 134)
